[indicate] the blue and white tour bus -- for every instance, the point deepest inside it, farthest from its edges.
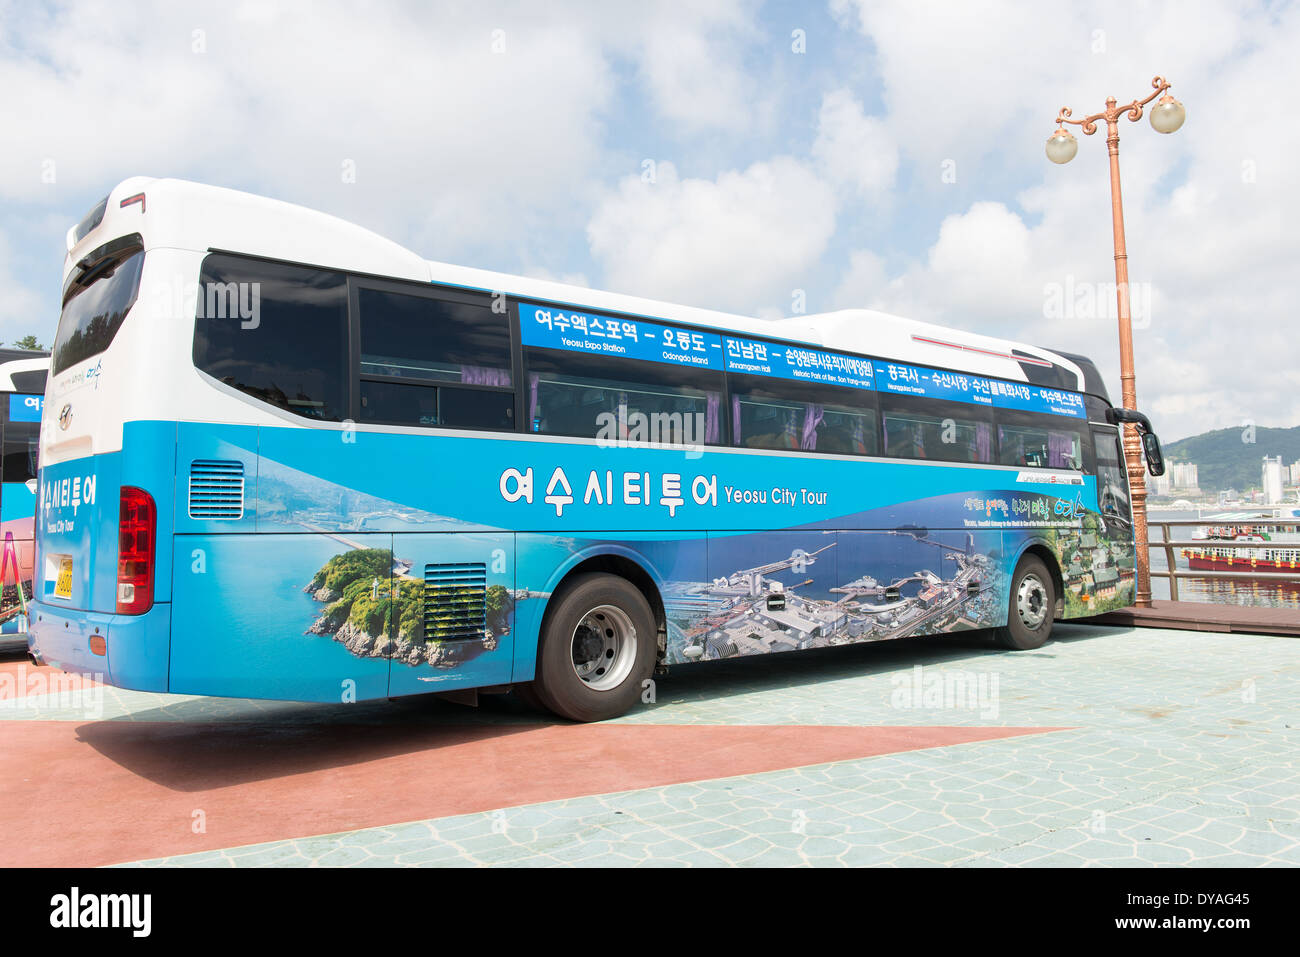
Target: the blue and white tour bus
(285, 458)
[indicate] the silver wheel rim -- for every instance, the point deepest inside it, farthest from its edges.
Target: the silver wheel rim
(1031, 602)
(603, 647)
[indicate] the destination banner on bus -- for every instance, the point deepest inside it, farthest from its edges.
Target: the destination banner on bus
(552, 328)
(25, 408)
(935, 383)
(977, 390)
(1051, 401)
(783, 361)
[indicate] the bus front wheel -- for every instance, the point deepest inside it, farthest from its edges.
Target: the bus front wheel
(1033, 600)
(598, 646)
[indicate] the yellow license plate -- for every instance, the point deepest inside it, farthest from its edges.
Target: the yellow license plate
(63, 584)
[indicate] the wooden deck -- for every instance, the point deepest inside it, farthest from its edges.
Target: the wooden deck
(1206, 616)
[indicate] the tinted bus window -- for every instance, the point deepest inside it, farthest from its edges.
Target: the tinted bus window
(275, 332)
(417, 337)
(19, 451)
(770, 413)
(942, 431)
(1045, 441)
(622, 399)
(429, 361)
(402, 403)
(98, 303)
(1112, 480)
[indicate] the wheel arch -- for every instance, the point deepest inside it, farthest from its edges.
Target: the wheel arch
(608, 558)
(624, 564)
(1039, 549)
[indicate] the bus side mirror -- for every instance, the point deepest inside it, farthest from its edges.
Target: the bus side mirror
(1155, 457)
(1150, 444)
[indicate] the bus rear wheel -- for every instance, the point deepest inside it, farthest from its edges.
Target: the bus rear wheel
(1033, 601)
(598, 646)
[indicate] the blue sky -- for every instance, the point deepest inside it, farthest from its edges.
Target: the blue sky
(895, 163)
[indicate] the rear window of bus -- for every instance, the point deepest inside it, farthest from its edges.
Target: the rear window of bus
(97, 302)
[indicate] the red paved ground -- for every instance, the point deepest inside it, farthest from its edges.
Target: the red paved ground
(114, 791)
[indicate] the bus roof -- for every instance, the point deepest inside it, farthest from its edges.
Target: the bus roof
(20, 361)
(179, 214)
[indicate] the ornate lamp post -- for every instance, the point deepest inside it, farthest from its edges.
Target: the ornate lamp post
(1166, 117)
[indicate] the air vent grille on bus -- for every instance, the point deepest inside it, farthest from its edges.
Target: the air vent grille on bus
(216, 490)
(455, 601)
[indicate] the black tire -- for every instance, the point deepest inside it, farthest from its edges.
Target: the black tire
(1031, 606)
(612, 612)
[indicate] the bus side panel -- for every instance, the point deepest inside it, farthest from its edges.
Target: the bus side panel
(21, 416)
(1098, 572)
(677, 567)
(338, 479)
(1095, 555)
(770, 591)
(216, 478)
(263, 616)
(814, 588)
(444, 638)
(947, 580)
(18, 528)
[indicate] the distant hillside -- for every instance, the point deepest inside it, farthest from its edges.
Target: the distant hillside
(1223, 460)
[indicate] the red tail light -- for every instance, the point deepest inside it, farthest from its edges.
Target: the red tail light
(136, 527)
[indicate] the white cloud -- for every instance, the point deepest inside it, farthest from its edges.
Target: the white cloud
(1207, 209)
(691, 67)
(503, 159)
(744, 241)
(20, 307)
(982, 256)
(863, 285)
(450, 136)
(852, 148)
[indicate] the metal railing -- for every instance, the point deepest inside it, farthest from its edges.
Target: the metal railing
(1169, 545)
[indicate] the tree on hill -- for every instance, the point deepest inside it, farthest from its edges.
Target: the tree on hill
(1232, 458)
(27, 342)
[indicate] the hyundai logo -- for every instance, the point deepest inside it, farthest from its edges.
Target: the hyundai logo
(65, 417)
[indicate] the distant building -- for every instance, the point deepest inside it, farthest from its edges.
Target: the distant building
(1183, 477)
(1271, 479)
(1160, 484)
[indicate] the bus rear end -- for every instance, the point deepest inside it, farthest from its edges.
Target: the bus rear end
(101, 594)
